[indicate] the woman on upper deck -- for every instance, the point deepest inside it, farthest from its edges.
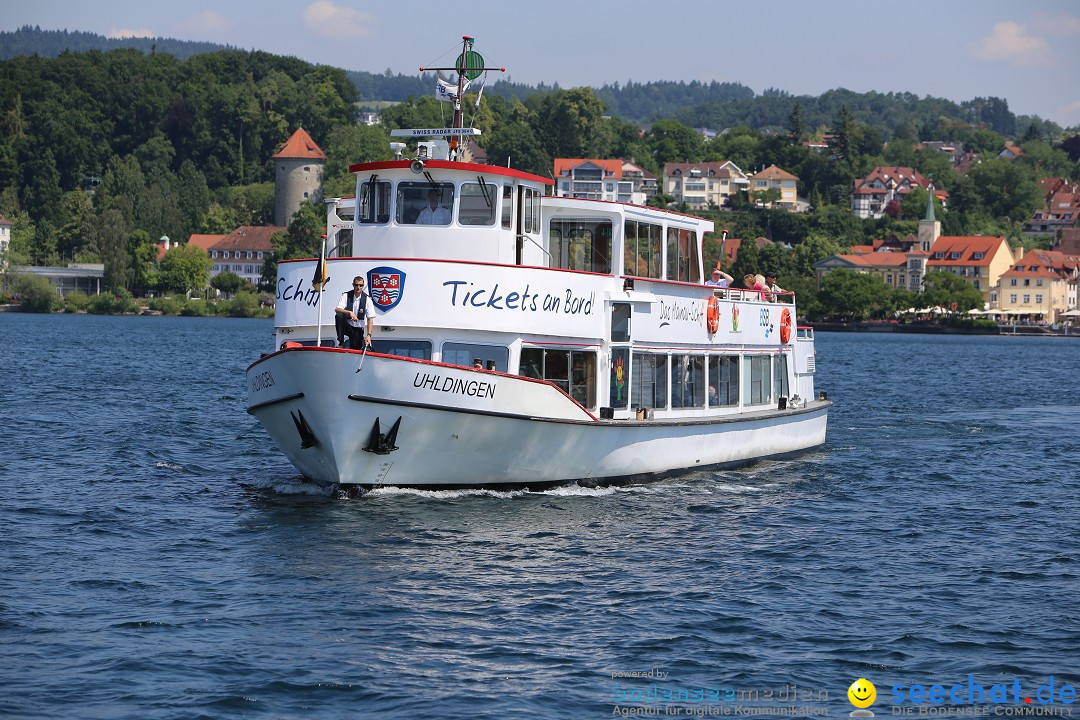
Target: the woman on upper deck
(756, 283)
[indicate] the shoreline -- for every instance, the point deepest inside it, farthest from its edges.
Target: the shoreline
(1036, 331)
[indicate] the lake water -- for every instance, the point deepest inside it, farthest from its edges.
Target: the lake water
(161, 559)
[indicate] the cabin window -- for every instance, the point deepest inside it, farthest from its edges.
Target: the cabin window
(620, 322)
(419, 349)
(723, 380)
(415, 201)
(455, 353)
(642, 255)
(620, 364)
(780, 376)
(572, 370)
(507, 206)
(682, 258)
(756, 380)
(374, 206)
(687, 381)
(580, 245)
(477, 204)
(648, 380)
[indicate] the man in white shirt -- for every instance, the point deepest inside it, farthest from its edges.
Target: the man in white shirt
(357, 309)
(719, 279)
(433, 214)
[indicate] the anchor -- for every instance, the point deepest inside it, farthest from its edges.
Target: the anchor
(383, 444)
(307, 437)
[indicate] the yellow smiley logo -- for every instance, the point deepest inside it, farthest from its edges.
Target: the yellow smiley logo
(862, 693)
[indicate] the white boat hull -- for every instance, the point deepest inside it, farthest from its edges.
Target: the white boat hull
(459, 427)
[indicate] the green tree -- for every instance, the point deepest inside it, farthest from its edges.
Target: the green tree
(227, 282)
(36, 294)
(78, 235)
(185, 268)
(796, 124)
(671, 141)
(852, 295)
(118, 271)
(950, 291)
(568, 123)
(347, 145)
(1006, 189)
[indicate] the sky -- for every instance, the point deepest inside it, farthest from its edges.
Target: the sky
(1025, 51)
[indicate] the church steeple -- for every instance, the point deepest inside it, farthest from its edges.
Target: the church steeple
(929, 227)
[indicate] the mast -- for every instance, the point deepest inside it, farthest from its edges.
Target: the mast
(468, 67)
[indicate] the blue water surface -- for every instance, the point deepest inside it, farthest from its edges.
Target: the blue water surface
(161, 559)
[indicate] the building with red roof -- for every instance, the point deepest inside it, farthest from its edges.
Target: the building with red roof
(595, 179)
(1042, 285)
(1062, 209)
(885, 184)
(979, 259)
(298, 175)
(773, 178)
(701, 185)
(243, 251)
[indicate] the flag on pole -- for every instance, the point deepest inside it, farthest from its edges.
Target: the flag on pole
(447, 92)
(320, 278)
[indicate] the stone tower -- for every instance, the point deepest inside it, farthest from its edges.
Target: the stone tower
(298, 175)
(929, 227)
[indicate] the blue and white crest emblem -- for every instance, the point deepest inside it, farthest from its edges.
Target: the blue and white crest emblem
(387, 286)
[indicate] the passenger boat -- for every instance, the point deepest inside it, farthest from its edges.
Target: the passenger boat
(603, 357)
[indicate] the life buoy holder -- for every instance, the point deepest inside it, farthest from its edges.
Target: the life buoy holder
(785, 326)
(712, 315)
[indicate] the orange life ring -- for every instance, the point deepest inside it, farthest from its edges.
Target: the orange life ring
(712, 315)
(785, 326)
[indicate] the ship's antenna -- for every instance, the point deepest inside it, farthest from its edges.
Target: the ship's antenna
(469, 66)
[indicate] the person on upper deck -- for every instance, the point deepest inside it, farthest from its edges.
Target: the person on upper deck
(433, 213)
(756, 283)
(770, 281)
(356, 308)
(720, 279)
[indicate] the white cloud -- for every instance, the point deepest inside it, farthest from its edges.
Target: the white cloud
(1010, 42)
(117, 33)
(326, 18)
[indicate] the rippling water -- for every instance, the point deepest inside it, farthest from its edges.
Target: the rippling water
(161, 559)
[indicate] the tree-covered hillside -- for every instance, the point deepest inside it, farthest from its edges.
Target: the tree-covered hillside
(51, 43)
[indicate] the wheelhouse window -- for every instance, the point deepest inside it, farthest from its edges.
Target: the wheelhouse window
(687, 381)
(507, 206)
(425, 203)
(643, 251)
(572, 370)
(477, 203)
(531, 201)
(456, 353)
(580, 245)
(419, 349)
(723, 380)
(374, 202)
(682, 258)
(648, 380)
